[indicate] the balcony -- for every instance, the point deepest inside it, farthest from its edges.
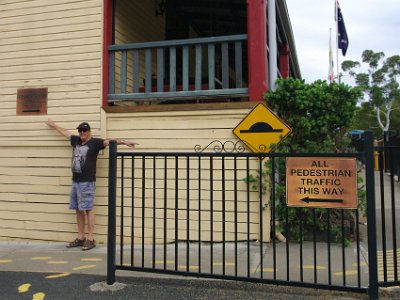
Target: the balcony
(179, 71)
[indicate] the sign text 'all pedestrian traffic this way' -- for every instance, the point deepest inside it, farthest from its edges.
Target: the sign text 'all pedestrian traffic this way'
(321, 182)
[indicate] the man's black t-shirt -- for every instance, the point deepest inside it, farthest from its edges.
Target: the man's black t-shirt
(84, 158)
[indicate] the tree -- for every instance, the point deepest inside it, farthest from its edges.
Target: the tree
(380, 83)
(364, 118)
(319, 114)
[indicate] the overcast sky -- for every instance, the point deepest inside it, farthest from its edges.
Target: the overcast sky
(370, 24)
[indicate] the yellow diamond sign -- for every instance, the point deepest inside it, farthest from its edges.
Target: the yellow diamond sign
(261, 129)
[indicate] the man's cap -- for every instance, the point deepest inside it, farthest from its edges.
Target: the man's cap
(84, 125)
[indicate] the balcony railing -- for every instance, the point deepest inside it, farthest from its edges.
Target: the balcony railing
(179, 69)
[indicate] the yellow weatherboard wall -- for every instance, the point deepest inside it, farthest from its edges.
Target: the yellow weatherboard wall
(58, 45)
(55, 45)
(182, 132)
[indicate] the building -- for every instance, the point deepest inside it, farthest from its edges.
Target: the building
(170, 74)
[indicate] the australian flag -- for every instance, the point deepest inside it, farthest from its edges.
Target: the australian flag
(343, 40)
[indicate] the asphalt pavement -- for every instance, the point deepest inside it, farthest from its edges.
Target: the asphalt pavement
(85, 286)
(44, 270)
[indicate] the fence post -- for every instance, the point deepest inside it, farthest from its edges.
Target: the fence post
(112, 194)
(370, 189)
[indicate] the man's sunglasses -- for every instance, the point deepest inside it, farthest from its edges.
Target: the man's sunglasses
(82, 130)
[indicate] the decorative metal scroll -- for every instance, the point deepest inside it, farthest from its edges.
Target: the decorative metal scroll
(262, 148)
(219, 147)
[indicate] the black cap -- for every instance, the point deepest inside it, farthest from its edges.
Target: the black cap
(84, 125)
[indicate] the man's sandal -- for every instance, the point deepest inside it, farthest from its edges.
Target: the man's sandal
(88, 245)
(76, 243)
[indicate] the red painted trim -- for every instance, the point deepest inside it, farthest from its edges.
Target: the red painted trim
(107, 40)
(284, 61)
(257, 48)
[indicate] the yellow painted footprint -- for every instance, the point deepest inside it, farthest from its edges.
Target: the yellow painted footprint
(24, 288)
(38, 296)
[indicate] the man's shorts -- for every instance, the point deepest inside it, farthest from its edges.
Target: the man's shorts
(82, 195)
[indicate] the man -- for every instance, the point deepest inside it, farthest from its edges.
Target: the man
(85, 151)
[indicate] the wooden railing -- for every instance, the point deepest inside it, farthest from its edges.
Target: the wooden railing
(179, 69)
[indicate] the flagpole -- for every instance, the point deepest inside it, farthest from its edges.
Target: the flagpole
(331, 75)
(337, 41)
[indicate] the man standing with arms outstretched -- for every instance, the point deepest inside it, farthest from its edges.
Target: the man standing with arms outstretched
(84, 158)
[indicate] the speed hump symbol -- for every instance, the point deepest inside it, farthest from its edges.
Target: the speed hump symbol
(261, 129)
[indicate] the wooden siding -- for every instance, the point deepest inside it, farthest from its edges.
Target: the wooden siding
(173, 130)
(182, 131)
(57, 45)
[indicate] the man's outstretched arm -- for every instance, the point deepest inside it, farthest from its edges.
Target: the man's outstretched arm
(131, 144)
(61, 130)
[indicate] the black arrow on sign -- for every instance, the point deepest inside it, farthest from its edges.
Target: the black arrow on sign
(308, 200)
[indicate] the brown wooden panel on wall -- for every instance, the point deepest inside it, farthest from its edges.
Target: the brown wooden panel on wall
(32, 101)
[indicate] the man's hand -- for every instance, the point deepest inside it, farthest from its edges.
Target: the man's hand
(59, 129)
(131, 144)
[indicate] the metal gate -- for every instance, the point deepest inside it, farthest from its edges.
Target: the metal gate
(388, 210)
(221, 215)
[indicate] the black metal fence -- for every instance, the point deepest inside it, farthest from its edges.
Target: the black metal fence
(221, 215)
(388, 210)
(390, 149)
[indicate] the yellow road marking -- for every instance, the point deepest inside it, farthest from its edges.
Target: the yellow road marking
(390, 251)
(57, 262)
(41, 258)
(194, 267)
(362, 264)
(312, 267)
(171, 262)
(84, 267)
(168, 262)
(58, 275)
(5, 261)
(190, 267)
(270, 270)
(228, 264)
(91, 259)
(347, 272)
(386, 263)
(24, 288)
(390, 277)
(38, 296)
